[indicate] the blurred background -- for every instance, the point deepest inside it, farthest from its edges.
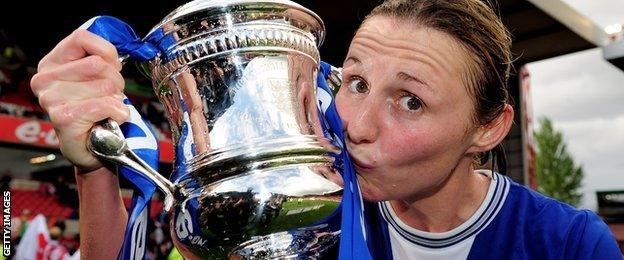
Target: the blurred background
(567, 88)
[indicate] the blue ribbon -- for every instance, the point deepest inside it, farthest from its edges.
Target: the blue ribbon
(137, 131)
(123, 37)
(352, 237)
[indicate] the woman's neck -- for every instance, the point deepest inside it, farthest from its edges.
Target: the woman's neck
(454, 202)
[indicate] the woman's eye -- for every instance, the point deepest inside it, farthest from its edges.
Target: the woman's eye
(358, 86)
(410, 103)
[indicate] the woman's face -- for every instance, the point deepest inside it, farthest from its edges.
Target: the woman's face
(406, 110)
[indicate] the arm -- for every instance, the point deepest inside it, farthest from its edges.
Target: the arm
(78, 83)
(103, 216)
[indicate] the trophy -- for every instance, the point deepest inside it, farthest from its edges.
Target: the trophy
(255, 174)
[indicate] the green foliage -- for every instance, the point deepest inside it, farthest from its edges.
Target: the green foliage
(557, 174)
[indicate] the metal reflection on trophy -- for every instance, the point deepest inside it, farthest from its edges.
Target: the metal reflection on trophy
(254, 168)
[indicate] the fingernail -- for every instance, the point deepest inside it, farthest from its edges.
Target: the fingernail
(120, 62)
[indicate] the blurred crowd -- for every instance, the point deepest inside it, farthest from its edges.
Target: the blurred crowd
(16, 98)
(63, 242)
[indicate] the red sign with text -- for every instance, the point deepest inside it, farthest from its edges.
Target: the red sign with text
(41, 134)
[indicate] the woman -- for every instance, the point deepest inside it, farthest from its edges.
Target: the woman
(424, 96)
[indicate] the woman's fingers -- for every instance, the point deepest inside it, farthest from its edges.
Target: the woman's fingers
(78, 83)
(79, 44)
(73, 121)
(85, 69)
(60, 92)
(81, 115)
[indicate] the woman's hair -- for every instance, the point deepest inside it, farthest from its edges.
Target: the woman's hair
(475, 25)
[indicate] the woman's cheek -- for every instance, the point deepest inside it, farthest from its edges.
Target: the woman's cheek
(400, 148)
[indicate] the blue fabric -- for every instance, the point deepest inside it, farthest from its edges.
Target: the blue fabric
(532, 226)
(352, 240)
(137, 131)
(123, 37)
(529, 226)
(379, 245)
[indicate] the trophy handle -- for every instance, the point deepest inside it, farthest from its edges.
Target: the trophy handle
(107, 142)
(334, 81)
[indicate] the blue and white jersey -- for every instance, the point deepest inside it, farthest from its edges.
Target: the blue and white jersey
(513, 222)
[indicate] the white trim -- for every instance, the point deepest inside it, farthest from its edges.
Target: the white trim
(483, 216)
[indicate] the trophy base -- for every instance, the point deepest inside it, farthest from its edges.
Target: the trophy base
(304, 243)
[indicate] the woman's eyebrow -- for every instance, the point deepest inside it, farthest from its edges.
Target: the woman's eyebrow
(352, 59)
(403, 76)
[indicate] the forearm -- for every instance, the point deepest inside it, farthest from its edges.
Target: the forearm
(103, 216)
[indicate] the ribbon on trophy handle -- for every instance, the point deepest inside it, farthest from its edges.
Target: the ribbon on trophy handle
(142, 141)
(139, 136)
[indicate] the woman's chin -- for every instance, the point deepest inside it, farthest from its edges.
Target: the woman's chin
(369, 193)
(370, 198)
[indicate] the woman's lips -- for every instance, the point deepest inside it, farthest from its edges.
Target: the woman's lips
(361, 166)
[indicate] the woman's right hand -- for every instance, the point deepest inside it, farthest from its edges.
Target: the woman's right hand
(78, 84)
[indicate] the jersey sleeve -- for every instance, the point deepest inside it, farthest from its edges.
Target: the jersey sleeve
(596, 240)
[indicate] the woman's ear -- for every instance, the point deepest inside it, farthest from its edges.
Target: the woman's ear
(490, 135)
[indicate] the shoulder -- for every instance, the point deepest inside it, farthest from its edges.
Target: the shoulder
(548, 214)
(554, 224)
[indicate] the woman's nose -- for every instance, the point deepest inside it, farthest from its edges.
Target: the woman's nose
(363, 126)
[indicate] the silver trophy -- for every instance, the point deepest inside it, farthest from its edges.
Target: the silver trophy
(256, 171)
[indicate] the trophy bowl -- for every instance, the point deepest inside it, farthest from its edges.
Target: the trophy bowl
(254, 172)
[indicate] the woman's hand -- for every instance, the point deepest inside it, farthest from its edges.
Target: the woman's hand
(78, 84)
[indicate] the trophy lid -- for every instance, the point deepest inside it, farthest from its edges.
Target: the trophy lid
(205, 28)
(231, 12)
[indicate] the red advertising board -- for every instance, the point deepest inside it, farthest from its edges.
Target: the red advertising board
(40, 133)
